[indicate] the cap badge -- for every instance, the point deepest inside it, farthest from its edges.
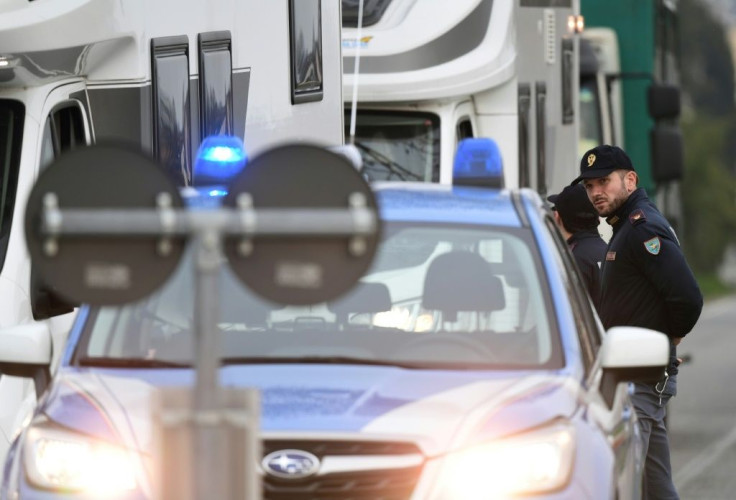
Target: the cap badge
(653, 246)
(591, 160)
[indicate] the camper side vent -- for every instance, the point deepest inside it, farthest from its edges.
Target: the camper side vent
(550, 36)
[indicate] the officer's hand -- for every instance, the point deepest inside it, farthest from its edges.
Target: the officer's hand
(676, 340)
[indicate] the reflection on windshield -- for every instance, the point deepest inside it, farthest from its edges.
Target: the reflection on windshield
(398, 146)
(436, 297)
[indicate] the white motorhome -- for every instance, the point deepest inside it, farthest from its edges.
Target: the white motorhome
(431, 73)
(162, 75)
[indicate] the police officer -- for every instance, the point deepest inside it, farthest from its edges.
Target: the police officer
(645, 282)
(578, 221)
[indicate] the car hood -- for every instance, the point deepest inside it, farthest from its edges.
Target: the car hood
(439, 410)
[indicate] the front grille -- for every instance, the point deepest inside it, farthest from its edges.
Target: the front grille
(340, 448)
(383, 484)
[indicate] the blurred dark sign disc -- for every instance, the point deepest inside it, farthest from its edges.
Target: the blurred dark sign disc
(103, 270)
(301, 270)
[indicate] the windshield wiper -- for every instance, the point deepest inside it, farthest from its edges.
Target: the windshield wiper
(317, 360)
(109, 362)
(393, 167)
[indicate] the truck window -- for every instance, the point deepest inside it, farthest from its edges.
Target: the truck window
(398, 146)
(12, 114)
(591, 128)
(306, 50)
(171, 122)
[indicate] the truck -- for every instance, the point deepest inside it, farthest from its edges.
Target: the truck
(633, 96)
(421, 76)
(162, 76)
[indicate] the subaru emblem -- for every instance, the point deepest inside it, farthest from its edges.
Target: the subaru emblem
(290, 464)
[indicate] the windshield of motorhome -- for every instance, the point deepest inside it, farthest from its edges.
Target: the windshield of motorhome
(398, 146)
(11, 138)
(405, 311)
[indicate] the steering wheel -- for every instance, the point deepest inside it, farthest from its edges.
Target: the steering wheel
(479, 350)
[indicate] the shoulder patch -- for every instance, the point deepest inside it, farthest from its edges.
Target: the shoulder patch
(637, 216)
(653, 245)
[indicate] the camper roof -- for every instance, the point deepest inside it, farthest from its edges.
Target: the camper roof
(101, 40)
(428, 50)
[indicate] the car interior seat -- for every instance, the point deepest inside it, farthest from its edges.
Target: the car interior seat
(461, 281)
(365, 298)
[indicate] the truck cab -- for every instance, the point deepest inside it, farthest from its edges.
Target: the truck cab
(161, 76)
(504, 70)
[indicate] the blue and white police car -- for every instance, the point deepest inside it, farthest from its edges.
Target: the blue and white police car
(467, 363)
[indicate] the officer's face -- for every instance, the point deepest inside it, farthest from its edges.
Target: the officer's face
(608, 193)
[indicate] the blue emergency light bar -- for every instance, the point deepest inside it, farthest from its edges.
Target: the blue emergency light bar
(219, 159)
(478, 162)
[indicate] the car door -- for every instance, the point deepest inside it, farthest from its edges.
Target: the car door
(618, 421)
(56, 120)
(66, 125)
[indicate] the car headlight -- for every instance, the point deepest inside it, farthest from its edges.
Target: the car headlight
(66, 461)
(535, 462)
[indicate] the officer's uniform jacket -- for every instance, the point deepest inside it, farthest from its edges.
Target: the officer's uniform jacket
(589, 250)
(645, 280)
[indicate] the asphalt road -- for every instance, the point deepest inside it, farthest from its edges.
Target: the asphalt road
(702, 425)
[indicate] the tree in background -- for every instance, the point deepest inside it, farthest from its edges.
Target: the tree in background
(709, 128)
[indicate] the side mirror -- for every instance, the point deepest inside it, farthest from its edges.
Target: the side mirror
(632, 354)
(45, 302)
(664, 101)
(25, 351)
(668, 158)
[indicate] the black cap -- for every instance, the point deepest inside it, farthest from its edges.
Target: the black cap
(575, 207)
(601, 161)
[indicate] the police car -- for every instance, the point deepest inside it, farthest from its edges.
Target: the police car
(468, 362)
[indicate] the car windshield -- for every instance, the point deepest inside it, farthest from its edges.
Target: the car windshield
(11, 137)
(398, 146)
(436, 296)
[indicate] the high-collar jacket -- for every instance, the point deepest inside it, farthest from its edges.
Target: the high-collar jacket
(645, 279)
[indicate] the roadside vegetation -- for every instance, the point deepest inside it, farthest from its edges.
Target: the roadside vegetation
(709, 128)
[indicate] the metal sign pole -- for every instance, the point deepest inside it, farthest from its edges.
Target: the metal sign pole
(208, 431)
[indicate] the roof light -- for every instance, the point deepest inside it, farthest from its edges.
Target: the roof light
(219, 159)
(478, 162)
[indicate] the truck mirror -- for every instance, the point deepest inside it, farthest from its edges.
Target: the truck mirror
(668, 161)
(664, 101)
(47, 303)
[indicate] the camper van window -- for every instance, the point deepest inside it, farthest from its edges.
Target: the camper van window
(373, 11)
(12, 114)
(464, 130)
(171, 134)
(216, 85)
(524, 104)
(400, 146)
(568, 72)
(64, 130)
(306, 50)
(591, 131)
